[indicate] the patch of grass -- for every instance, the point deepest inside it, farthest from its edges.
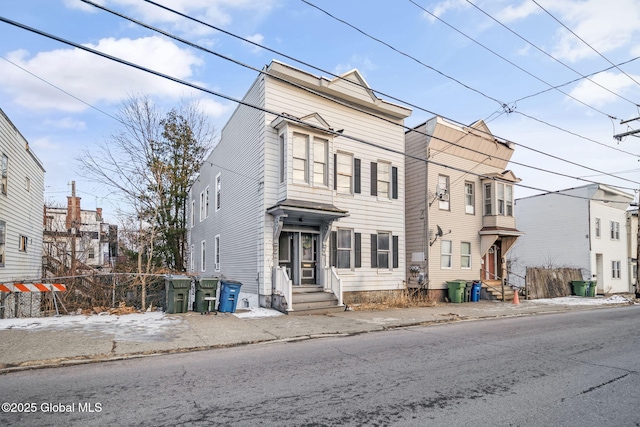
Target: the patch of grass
(406, 298)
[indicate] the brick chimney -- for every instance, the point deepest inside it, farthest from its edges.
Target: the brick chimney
(99, 214)
(70, 211)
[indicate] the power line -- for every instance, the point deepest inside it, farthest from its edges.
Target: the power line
(350, 105)
(548, 54)
(508, 61)
(503, 105)
(249, 105)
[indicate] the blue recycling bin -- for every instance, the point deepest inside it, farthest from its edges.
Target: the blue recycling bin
(475, 291)
(229, 292)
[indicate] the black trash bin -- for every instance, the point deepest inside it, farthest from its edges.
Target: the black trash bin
(177, 291)
(229, 292)
(205, 294)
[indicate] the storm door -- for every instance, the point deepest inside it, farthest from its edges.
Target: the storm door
(308, 258)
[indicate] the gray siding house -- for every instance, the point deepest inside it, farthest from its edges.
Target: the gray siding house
(21, 205)
(302, 200)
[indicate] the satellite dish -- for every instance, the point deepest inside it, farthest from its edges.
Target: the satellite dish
(439, 231)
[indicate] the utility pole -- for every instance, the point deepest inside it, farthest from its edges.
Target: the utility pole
(74, 228)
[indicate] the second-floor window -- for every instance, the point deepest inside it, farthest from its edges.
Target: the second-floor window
(598, 228)
(193, 213)
(23, 243)
(4, 171)
(615, 230)
(300, 158)
(469, 198)
(202, 206)
(344, 173)
(498, 199)
(218, 190)
(442, 192)
(320, 161)
(3, 228)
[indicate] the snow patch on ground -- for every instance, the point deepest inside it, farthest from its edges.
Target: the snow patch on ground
(151, 326)
(257, 313)
(614, 299)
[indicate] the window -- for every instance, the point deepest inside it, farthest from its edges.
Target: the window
(487, 199)
(23, 243)
(300, 157)
(615, 230)
(217, 253)
(383, 246)
(384, 180)
(344, 248)
(27, 184)
(193, 213)
(202, 206)
(91, 253)
(445, 254)
(193, 258)
(615, 269)
(218, 187)
(500, 187)
(344, 173)
(206, 202)
(465, 255)
(4, 168)
(282, 156)
(3, 228)
(442, 192)
(509, 199)
(598, 227)
(203, 255)
(320, 160)
(469, 198)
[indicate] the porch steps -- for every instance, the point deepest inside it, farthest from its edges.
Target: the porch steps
(313, 300)
(494, 288)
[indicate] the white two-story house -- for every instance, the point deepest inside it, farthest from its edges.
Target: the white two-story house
(21, 201)
(302, 200)
(459, 206)
(583, 227)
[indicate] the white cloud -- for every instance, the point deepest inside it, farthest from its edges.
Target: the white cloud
(43, 144)
(214, 108)
(94, 79)
(362, 63)
(256, 38)
(444, 7)
(511, 13)
(595, 95)
(67, 123)
(601, 24)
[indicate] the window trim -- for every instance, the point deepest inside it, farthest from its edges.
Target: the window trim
(469, 208)
(324, 162)
(615, 230)
(202, 206)
(444, 254)
(388, 251)
(379, 181)
(193, 213)
(23, 243)
(350, 249)
(615, 269)
(305, 170)
(444, 205)
(4, 173)
(203, 255)
(216, 253)
(465, 256)
(350, 175)
(281, 142)
(206, 202)
(218, 190)
(487, 198)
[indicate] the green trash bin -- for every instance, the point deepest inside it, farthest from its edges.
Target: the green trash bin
(205, 294)
(456, 290)
(177, 291)
(579, 287)
(591, 290)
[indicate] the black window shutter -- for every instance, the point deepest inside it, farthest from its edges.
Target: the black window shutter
(335, 171)
(374, 179)
(333, 248)
(396, 260)
(356, 176)
(358, 250)
(374, 251)
(394, 182)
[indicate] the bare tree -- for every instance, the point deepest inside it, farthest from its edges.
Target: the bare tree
(139, 162)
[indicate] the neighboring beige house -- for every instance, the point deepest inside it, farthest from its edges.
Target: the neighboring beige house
(302, 200)
(459, 206)
(95, 240)
(21, 200)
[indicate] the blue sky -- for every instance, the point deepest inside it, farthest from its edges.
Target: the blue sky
(418, 59)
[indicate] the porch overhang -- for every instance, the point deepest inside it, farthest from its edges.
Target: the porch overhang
(488, 236)
(306, 211)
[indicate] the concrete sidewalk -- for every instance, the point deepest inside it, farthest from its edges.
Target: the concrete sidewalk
(47, 347)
